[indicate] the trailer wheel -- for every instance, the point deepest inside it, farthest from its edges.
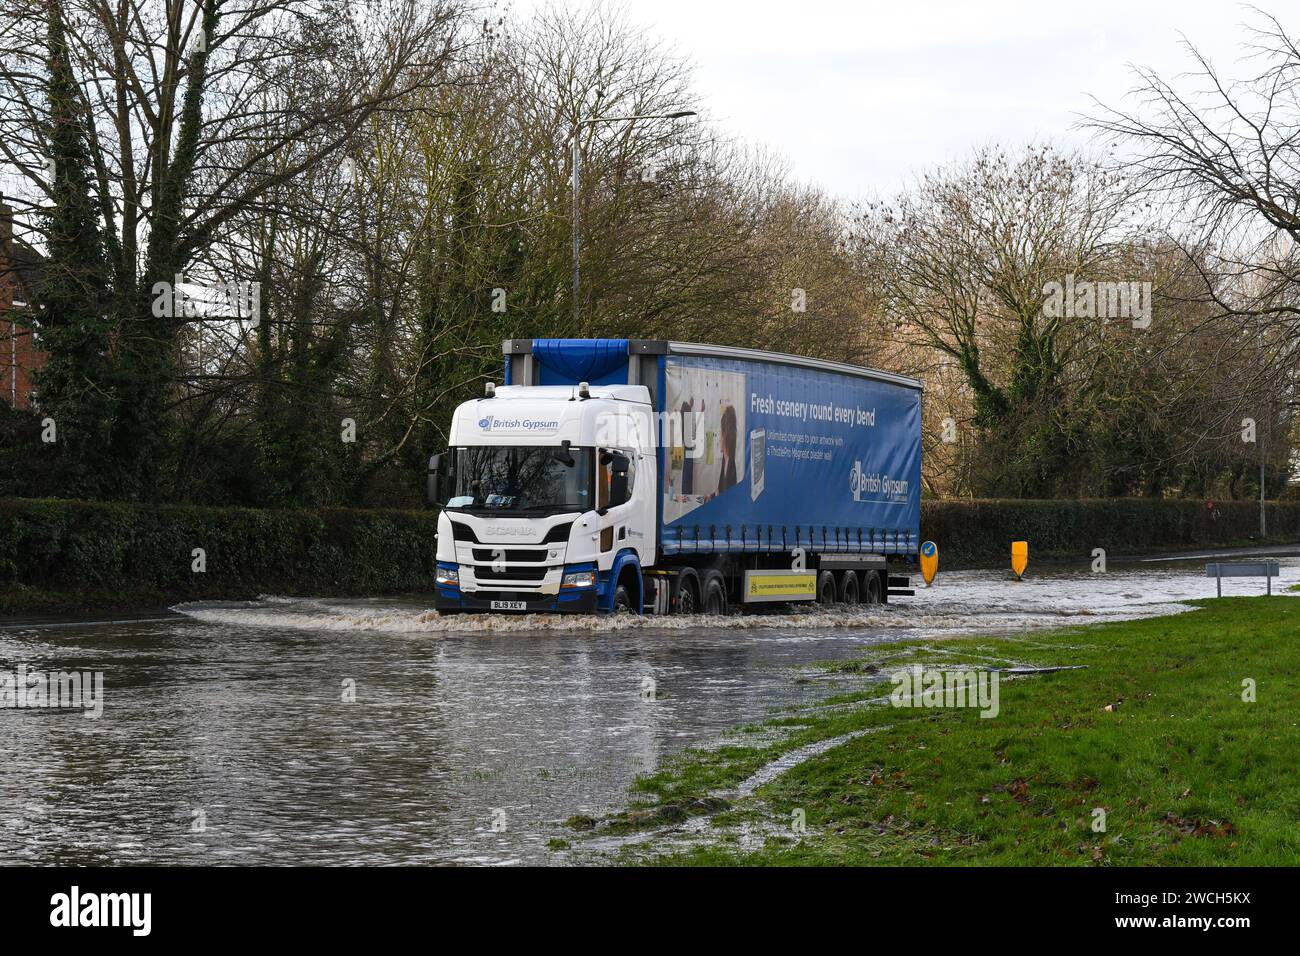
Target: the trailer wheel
(873, 588)
(688, 593)
(715, 594)
(826, 588)
(849, 588)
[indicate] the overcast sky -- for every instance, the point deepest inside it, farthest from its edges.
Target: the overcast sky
(857, 95)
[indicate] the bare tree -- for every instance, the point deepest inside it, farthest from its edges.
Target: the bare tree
(196, 112)
(1223, 157)
(963, 263)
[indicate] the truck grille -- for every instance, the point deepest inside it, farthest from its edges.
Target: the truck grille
(525, 555)
(516, 573)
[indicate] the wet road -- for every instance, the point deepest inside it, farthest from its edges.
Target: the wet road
(230, 733)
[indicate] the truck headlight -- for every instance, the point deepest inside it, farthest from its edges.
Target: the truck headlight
(448, 576)
(579, 579)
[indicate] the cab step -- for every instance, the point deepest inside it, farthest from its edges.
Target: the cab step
(900, 584)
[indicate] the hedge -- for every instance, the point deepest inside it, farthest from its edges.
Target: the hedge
(981, 531)
(63, 555)
(126, 553)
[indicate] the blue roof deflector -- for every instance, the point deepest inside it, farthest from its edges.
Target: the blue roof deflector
(581, 360)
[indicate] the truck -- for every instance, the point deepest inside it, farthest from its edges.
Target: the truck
(659, 477)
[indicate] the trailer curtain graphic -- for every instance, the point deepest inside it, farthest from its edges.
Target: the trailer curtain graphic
(823, 450)
(708, 454)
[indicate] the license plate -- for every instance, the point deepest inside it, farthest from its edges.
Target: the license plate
(509, 605)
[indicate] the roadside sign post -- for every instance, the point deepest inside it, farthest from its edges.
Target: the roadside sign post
(929, 561)
(1019, 558)
(1241, 569)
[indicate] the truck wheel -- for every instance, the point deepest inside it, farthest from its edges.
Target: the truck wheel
(873, 589)
(849, 588)
(715, 594)
(826, 588)
(688, 594)
(622, 600)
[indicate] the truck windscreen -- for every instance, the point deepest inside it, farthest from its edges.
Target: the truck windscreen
(540, 480)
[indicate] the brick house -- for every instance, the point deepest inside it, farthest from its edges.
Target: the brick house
(20, 354)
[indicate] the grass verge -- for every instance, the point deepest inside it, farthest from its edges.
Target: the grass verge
(1186, 771)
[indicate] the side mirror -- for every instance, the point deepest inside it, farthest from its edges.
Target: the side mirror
(619, 492)
(564, 456)
(434, 484)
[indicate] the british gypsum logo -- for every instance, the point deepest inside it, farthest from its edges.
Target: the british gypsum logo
(30, 690)
(863, 485)
(491, 422)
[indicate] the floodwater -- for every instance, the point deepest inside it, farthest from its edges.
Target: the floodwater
(374, 732)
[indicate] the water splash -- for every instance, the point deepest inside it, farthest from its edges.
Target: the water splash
(960, 602)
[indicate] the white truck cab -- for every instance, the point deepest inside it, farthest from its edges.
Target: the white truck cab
(549, 500)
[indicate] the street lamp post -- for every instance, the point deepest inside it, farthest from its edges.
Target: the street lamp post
(577, 181)
(1263, 521)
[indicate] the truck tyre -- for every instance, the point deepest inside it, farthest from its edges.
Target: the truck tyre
(715, 594)
(622, 600)
(688, 593)
(873, 591)
(826, 588)
(849, 588)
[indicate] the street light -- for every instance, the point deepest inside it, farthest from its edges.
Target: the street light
(577, 183)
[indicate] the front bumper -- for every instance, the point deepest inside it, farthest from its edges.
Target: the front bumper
(569, 601)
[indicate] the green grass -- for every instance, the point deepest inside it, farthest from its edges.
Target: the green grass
(1186, 771)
